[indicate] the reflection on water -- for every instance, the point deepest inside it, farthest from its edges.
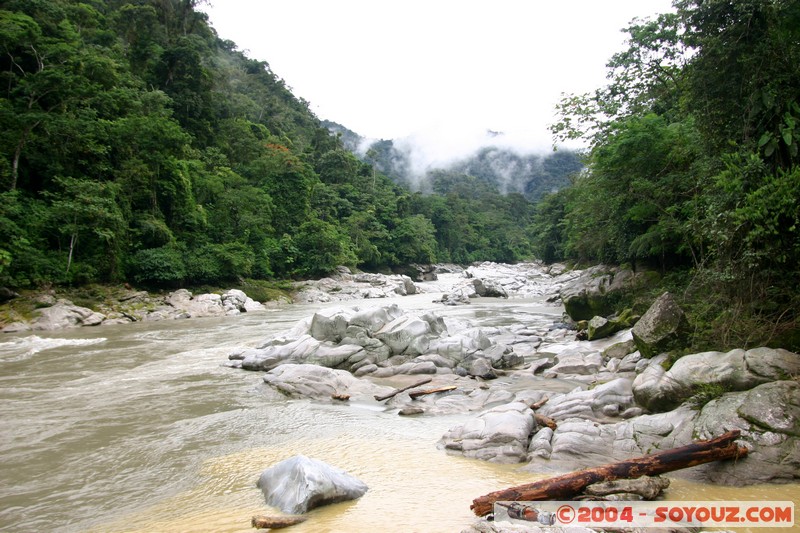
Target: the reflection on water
(412, 487)
(141, 428)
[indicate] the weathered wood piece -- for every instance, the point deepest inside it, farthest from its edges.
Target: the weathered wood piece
(381, 397)
(534, 406)
(573, 483)
(542, 420)
(416, 394)
(276, 522)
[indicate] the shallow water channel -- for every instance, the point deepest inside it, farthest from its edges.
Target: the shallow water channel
(140, 427)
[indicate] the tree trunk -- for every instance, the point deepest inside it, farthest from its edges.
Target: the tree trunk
(416, 394)
(71, 249)
(573, 483)
(275, 522)
(381, 397)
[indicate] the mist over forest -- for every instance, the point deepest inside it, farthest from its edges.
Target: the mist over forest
(138, 146)
(416, 161)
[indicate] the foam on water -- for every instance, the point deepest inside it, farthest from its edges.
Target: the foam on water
(25, 347)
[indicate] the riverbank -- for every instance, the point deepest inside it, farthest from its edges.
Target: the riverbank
(611, 388)
(145, 427)
(97, 305)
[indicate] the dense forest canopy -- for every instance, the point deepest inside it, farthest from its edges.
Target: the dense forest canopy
(505, 168)
(136, 145)
(693, 165)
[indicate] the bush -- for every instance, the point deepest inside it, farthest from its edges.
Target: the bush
(322, 247)
(159, 266)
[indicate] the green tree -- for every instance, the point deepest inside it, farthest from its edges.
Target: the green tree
(321, 248)
(87, 210)
(414, 240)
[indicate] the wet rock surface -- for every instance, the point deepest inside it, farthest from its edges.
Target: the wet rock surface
(531, 392)
(299, 484)
(133, 306)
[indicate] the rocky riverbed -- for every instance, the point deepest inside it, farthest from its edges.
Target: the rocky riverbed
(620, 395)
(613, 384)
(52, 311)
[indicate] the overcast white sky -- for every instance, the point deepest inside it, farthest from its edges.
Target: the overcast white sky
(449, 68)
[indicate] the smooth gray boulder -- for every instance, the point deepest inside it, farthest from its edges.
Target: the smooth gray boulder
(381, 341)
(185, 305)
(498, 435)
(540, 444)
(411, 335)
(658, 389)
(65, 314)
(345, 286)
(299, 484)
(600, 327)
(502, 356)
(662, 328)
(595, 291)
(585, 442)
(620, 350)
(479, 367)
(320, 383)
(606, 400)
(575, 362)
(330, 324)
(468, 397)
(769, 418)
(278, 353)
(489, 289)
(233, 301)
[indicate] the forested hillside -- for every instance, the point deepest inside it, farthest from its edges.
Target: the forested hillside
(694, 167)
(502, 168)
(136, 145)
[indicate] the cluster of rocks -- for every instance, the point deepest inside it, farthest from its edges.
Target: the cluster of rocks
(57, 313)
(542, 397)
(345, 285)
(495, 280)
(382, 342)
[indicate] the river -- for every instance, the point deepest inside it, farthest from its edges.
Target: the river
(141, 427)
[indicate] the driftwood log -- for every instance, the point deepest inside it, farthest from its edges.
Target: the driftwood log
(381, 397)
(542, 420)
(540, 403)
(571, 484)
(416, 394)
(276, 522)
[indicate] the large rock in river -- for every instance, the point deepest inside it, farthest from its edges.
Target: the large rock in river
(596, 291)
(300, 484)
(769, 418)
(498, 435)
(658, 389)
(662, 328)
(65, 314)
(320, 383)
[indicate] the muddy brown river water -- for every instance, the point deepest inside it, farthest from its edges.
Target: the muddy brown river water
(141, 428)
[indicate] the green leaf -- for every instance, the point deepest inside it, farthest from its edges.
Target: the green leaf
(764, 139)
(787, 136)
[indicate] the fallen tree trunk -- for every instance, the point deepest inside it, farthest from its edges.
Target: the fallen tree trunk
(381, 397)
(542, 420)
(534, 406)
(416, 394)
(275, 522)
(571, 484)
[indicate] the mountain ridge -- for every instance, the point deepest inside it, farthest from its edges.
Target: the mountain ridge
(504, 168)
